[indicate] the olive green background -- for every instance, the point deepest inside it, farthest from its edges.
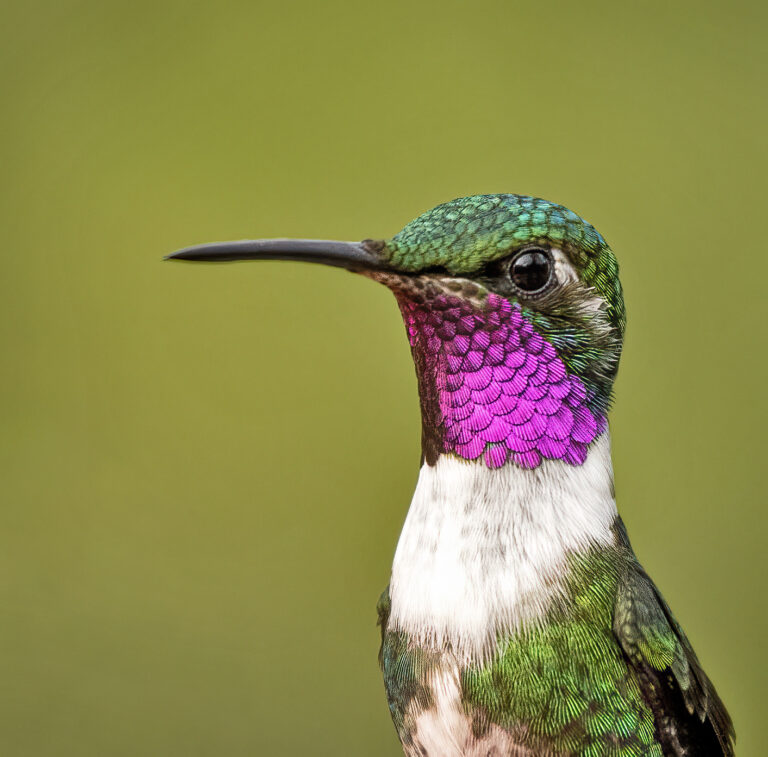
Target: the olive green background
(205, 469)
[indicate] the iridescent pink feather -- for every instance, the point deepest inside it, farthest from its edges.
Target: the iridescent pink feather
(503, 391)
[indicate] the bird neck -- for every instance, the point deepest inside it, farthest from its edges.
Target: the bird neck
(491, 387)
(485, 552)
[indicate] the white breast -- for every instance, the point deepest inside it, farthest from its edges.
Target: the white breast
(484, 550)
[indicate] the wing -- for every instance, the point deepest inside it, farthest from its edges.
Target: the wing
(691, 719)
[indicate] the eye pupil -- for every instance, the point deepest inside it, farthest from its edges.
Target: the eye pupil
(530, 271)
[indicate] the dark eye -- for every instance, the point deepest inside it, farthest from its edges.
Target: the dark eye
(531, 270)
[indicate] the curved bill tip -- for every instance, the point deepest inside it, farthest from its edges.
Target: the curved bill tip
(353, 256)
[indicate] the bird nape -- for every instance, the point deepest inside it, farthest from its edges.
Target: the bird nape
(518, 620)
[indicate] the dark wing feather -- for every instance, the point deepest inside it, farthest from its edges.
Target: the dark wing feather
(691, 719)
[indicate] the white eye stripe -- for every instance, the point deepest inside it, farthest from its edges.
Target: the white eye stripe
(565, 272)
(564, 269)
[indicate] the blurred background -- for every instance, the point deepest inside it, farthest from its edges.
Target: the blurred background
(205, 469)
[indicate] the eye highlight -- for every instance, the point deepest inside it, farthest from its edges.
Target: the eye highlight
(531, 271)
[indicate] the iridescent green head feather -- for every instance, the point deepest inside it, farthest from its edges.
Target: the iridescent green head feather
(465, 235)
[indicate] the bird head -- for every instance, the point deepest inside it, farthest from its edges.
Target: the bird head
(515, 317)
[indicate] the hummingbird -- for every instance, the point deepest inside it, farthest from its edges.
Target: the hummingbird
(518, 620)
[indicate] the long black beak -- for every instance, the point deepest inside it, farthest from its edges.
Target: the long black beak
(354, 256)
